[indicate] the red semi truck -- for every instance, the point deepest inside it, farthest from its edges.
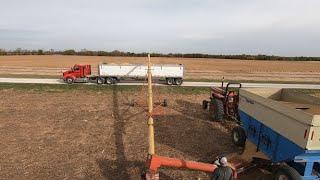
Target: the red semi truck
(112, 73)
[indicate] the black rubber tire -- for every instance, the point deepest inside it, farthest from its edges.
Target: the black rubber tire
(114, 80)
(109, 80)
(70, 80)
(170, 81)
(218, 113)
(238, 136)
(100, 80)
(178, 81)
(204, 104)
(287, 172)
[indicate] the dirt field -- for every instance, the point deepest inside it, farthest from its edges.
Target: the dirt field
(49, 133)
(198, 69)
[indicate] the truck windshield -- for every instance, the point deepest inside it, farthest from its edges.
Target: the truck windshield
(75, 68)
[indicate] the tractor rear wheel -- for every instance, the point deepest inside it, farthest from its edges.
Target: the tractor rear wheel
(286, 172)
(238, 136)
(216, 109)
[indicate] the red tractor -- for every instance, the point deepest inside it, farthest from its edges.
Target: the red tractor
(223, 102)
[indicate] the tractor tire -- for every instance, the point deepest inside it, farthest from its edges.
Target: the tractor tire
(238, 136)
(287, 172)
(109, 80)
(204, 104)
(70, 80)
(100, 80)
(178, 81)
(217, 110)
(169, 81)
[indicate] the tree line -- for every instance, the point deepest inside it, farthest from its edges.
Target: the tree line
(85, 52)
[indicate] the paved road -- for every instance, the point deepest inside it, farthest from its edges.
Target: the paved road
(192, 84)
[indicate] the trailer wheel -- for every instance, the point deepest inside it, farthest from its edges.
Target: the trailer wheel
(114, 80)
(100, 80)
(287, 173)
(216, 109)
(69, 80)
(204, 104)
(169, 81)
(178, 81)
(239, 136)
(109, 80)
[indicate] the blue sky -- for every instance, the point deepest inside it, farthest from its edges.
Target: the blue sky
(279, 27)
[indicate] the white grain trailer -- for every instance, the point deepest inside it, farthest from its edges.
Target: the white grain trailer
(111, 73)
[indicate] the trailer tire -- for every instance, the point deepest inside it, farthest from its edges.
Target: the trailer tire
(217, 110)
(204, 104)
(69, 80)
(109, 80)
(114, 80)
(238, 136)
(100, 80)
(169, 81)
(287, 172)
(178, 81)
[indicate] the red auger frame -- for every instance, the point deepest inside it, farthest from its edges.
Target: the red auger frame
(155, 162)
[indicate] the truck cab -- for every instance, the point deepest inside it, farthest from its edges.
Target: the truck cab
(78, 72)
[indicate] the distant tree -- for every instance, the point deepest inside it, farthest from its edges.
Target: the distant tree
(2, 52)
(40, 52)
(18, 51)
(69, 52)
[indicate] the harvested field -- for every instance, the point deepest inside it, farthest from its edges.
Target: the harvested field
(62, 132)
(196, 69)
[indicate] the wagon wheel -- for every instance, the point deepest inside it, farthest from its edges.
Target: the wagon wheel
(238, 136)
(286, 172)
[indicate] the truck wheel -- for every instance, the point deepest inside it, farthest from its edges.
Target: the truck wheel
(100, 80)
(109, 80)
(216, 110)
(178, 81)
(286, 172)
(239, 136)
(204, 104)
(169, 81)
(69, 80)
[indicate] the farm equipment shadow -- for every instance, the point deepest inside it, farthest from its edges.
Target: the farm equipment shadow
(118, 169)
(192, 132)
(191, 109)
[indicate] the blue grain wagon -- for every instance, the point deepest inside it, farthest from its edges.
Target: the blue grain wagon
(285, 125)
